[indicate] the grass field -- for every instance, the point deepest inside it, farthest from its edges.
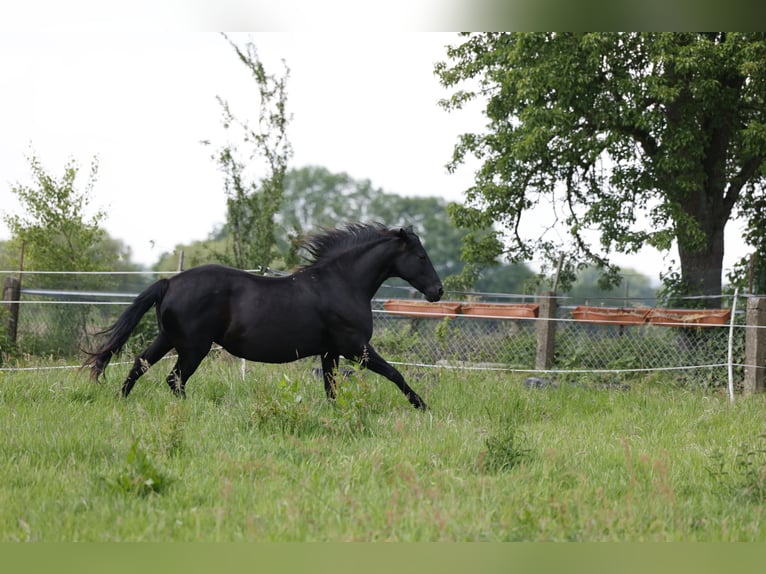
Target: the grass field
(269, 459)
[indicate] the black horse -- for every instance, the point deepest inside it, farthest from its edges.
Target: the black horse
(322, 309)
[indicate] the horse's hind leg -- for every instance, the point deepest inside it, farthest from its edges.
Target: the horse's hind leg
(188, 361)
(153, 353)
(174, 381)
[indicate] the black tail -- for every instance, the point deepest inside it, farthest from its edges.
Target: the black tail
(121, 330)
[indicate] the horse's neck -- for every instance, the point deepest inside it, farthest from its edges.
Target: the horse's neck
(368, 268)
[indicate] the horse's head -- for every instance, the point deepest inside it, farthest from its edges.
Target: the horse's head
(414, 266)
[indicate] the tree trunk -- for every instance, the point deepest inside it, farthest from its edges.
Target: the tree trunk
(701, 269)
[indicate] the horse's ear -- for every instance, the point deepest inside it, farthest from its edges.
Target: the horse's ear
(405, 232)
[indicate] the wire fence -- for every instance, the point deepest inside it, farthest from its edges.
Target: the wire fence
(693, 353)
(61, 323)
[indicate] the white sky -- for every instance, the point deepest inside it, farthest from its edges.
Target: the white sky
(363, 103)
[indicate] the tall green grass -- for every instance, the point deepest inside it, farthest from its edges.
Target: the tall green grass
(270, 459)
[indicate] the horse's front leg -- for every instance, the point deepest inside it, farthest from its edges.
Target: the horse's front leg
(378, 364)
(329, 370)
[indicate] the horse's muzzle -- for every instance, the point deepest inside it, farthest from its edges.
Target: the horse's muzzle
(435, 294)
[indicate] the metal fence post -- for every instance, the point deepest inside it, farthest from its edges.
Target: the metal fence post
(546, 330)
(11, 297)
(755, 346)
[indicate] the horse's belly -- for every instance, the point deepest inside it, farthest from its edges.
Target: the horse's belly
(267, 345)
(281, 355)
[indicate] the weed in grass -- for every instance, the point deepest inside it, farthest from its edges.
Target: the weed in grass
(751, 468)
(175, 428)
(139, 476)
(289, 413)
(285, 412)
(83, 395)
(353, 406)
(745, 476)
(505, 449)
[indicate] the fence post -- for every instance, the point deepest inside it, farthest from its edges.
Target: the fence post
(11, 297)
(546, 330)
(755, 346)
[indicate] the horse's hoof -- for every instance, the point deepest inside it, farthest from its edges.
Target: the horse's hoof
(418, 403)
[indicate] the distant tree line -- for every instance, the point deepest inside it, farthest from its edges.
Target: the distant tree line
(314, 197)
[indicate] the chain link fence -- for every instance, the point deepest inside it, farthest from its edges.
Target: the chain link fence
(61, 324)
(698, 354)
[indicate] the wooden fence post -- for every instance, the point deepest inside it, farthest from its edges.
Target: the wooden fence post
(755, 346)
(546, 330)
(11, 297)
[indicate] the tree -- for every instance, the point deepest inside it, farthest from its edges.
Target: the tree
(197, 253)
(648, 138)
(749, 274)
(57, 232)
(315, 197)
(253, 201)
(635, 286)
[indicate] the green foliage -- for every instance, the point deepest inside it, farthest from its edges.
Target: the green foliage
(505, 449)
(650, 138)
(7, 347)
(252, 202)
(195, 254)
(57, 232)
(315, 197)
(442, 332)
(399, 341)
(173, 435)
(139, 476)
(745, 475)
(749, 273)
(284, 411)
(354, 405)
(586, 291)
(9, 254)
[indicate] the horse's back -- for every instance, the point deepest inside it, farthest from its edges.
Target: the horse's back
(211, 272)
(225, 305)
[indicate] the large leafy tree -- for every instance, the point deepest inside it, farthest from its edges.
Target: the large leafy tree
(643, 138)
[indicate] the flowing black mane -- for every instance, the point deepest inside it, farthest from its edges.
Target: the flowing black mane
(329, 243)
